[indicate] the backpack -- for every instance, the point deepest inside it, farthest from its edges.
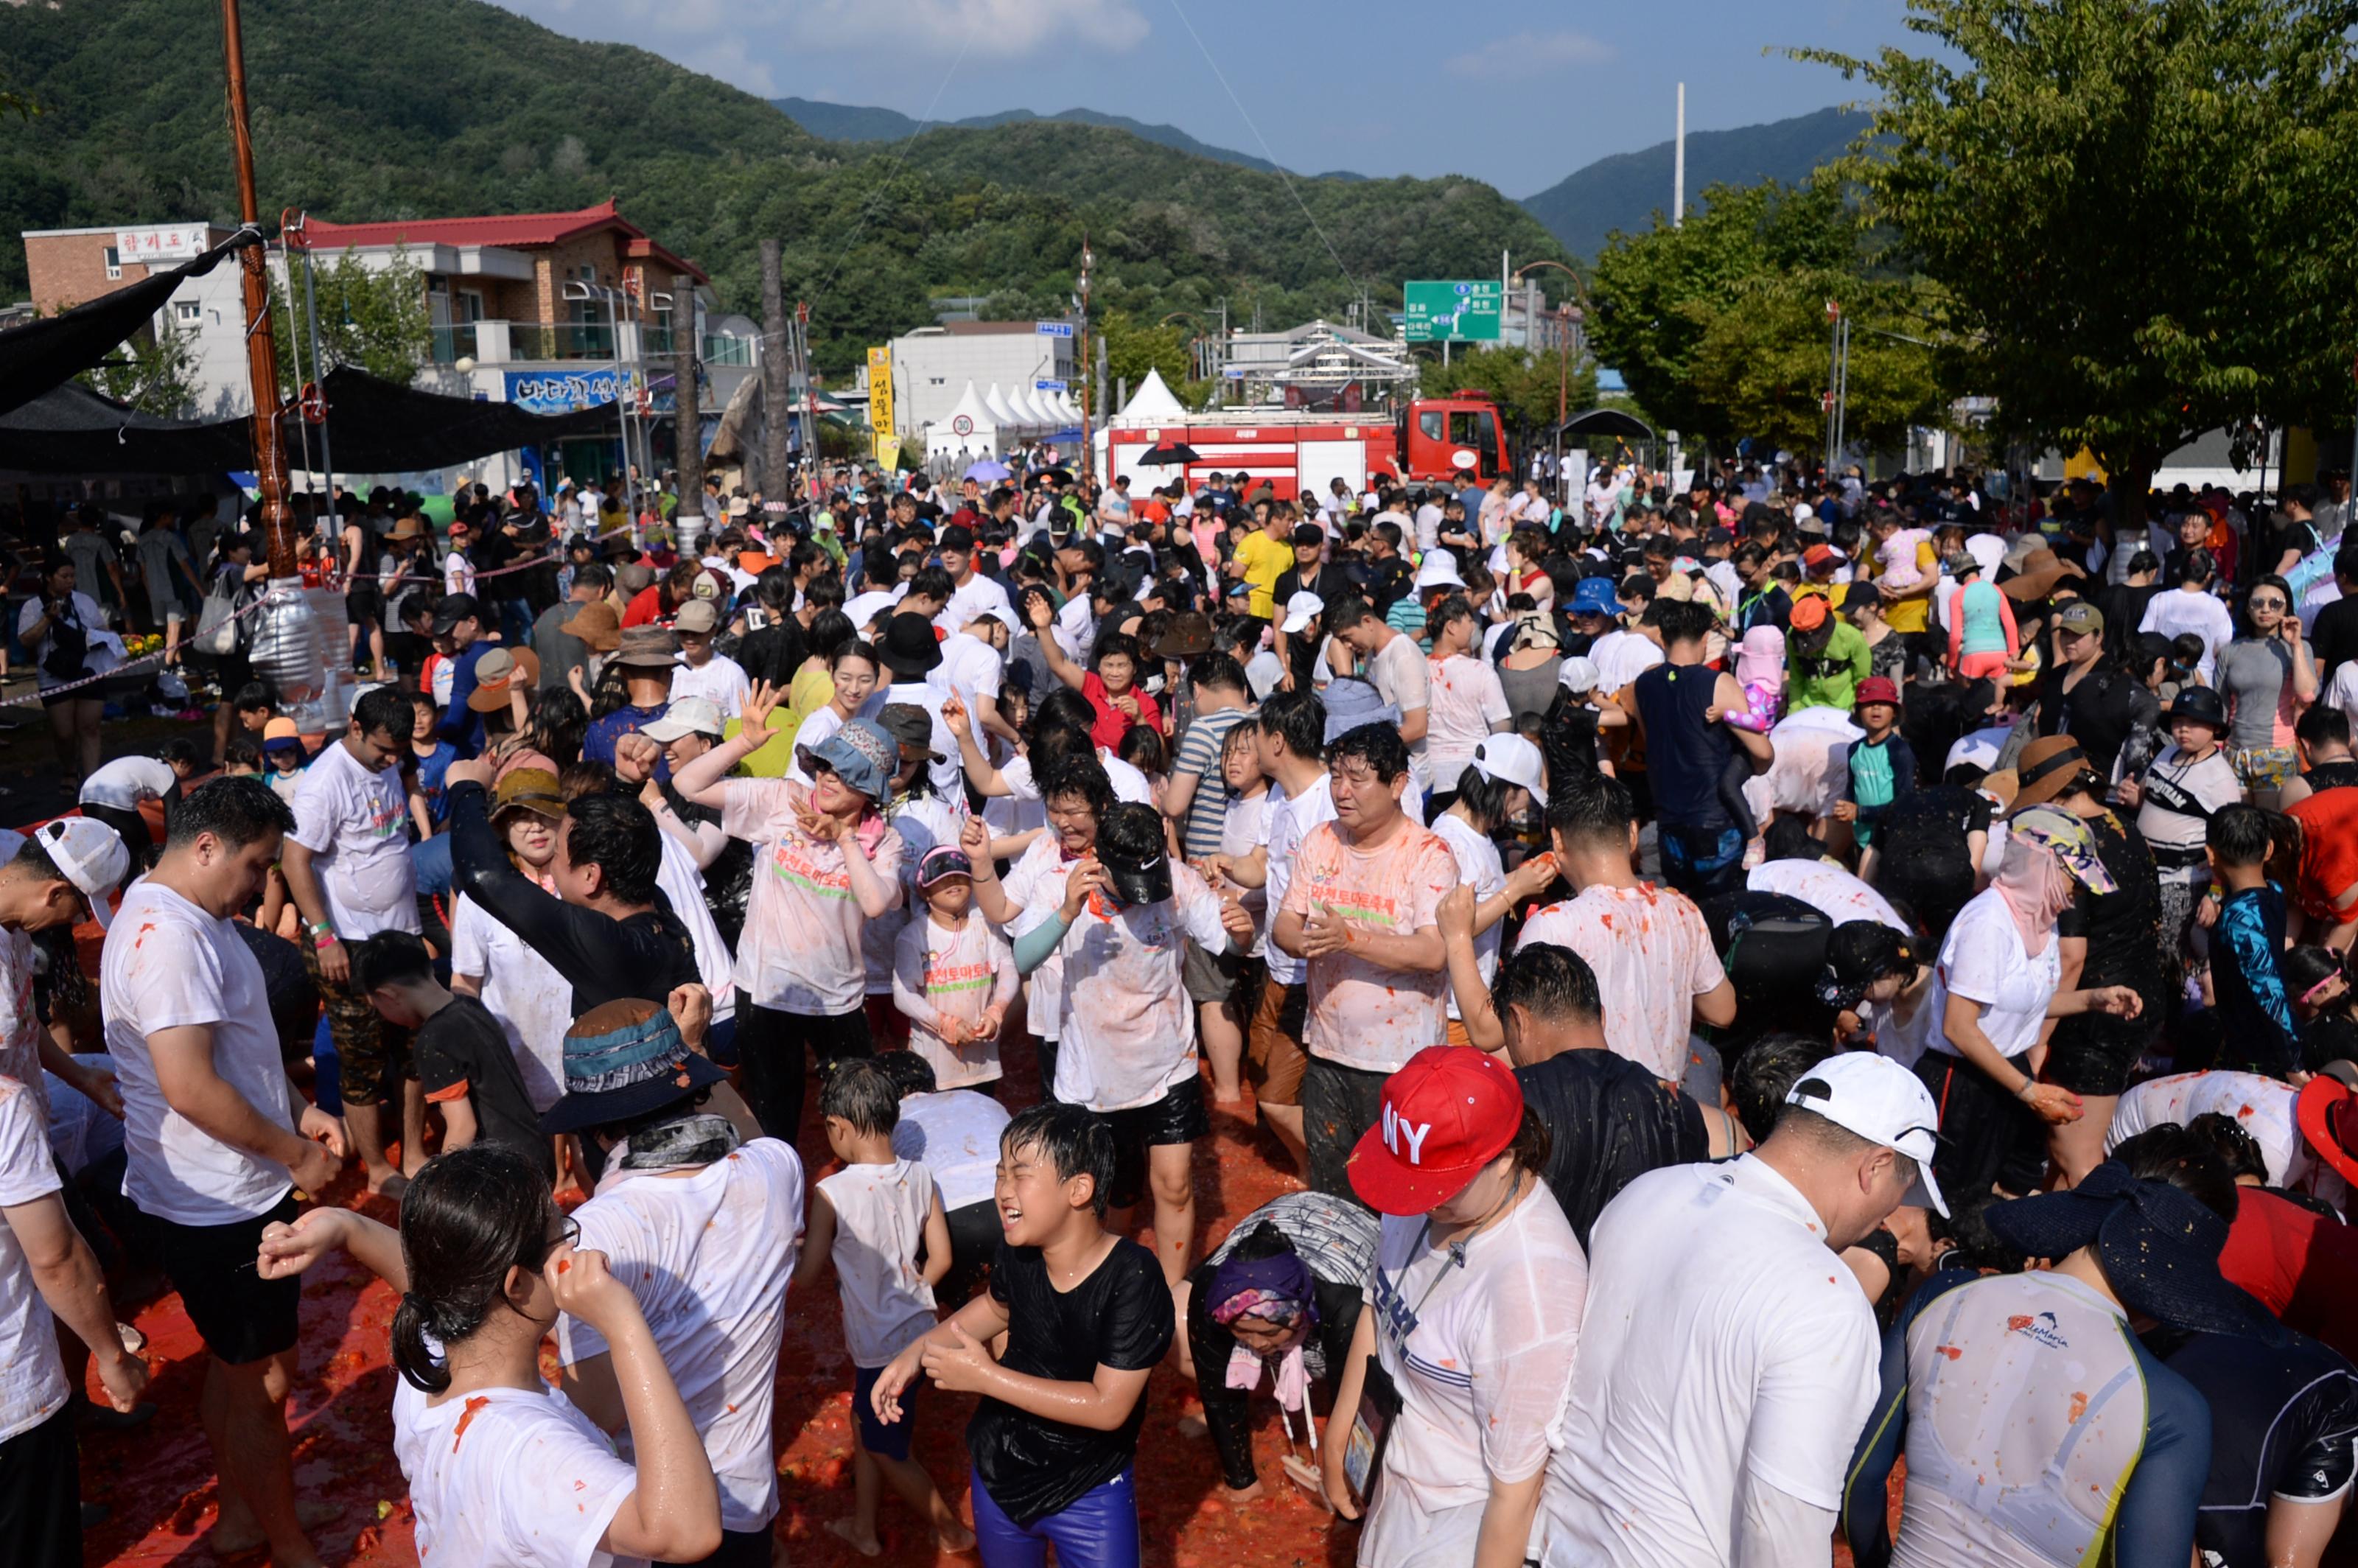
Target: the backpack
(220, 630)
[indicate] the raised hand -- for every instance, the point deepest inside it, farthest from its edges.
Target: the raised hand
(754, 716)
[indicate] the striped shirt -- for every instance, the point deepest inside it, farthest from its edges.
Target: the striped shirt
(1199, 757)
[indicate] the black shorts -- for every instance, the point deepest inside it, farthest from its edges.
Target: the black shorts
(40, 1495)
(240, 1316)
(2093, 1053)
(1179, 1117)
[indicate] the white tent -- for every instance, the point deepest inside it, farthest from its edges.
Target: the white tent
(1003, 413)
(1070, 410)
(944, 438)
(1152, 404)
(1026, 404)
(1044, 404)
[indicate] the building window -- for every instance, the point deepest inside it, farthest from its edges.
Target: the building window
(113, 262)
(187, 312)
(936, 381)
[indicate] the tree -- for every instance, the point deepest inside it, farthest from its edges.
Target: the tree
(373, 321)
(1528, 388)
(1719, 326)
(154, 374)
(2131, 209)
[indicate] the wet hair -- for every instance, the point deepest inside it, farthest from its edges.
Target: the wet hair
(2197, 566)
(2174, 1154)
(1765, 1074)
(1142, 748)
(911, 1073)
(235, 811)
(859, 1090)
(1484, 798)
(1077, 1140)
(2306, 966)
(1084, 777)
(1685, 621)
(855, 648)
(1788, 839)
(253, 697)
(1865, 951)
(1264, 1240)
(1298, 718)
(2228, 1139)
(1598, 813)
(1452, 608)
(1378, 745)
(932, 582)
(468, 1218)
(618, 835)
(387, 709)
(1549, 982)
(2323, 724)
(1118, 644)
(242, 751)
(181, 749)
(2240, 835)
(1216, 670)
(1344, 614)
(390, 958)
(1131, 832)
(1976, 1246)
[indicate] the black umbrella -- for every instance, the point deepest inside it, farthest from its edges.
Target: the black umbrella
(1171, 454)
(1062, 476)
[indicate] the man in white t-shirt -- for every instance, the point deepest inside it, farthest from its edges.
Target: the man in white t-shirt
(704, 1230)
(1656, 968)
(62, 873)
(349, 871)
(1392, 662)
(972, 595)
(46, 1268)
(715, 677)
(1727, 1359)
(974, 667)
(216, 1140)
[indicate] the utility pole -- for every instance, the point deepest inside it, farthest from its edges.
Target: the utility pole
(261, 354)
(1679, 164)
(775, 410)
(687, 419)
(1090, 394)
(1833, 370)
(809, 405)
(319, 367)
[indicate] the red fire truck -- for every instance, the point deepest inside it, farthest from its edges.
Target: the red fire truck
(1299, 452)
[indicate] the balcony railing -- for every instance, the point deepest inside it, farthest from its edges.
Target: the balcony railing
(454, 342)
(511, 342)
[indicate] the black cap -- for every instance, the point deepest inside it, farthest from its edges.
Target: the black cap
(454, 607)
(2201, 704)
(1147, 881)
(1308, 534)
(909, 648)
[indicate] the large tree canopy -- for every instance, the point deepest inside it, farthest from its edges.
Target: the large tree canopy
(2135, 212)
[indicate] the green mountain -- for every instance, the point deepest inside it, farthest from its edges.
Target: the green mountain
(1626, 190)
(851, 122)
(430, 108)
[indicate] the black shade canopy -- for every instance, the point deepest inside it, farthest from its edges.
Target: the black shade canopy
(1606, 422)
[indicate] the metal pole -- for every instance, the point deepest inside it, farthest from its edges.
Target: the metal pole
(775, 354)
(810, 392)
(1833, 357)
(261, 357)
(1089, 381)
(687, 415)
(295, 352)
(311, 311)
(622, 409)
(1679, 164)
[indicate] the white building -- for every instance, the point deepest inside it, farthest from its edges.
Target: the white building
(932, 366)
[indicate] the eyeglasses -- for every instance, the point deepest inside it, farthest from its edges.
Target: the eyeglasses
(2267, 604)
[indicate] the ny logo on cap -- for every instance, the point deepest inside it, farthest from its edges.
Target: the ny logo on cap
(1398, 1130)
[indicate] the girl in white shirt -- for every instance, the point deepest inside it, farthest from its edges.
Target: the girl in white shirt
(494, 1456)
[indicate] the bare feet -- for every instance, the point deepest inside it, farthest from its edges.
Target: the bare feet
(311, 1514)
(390, 1184)
(954, 1538)
(866, 1545)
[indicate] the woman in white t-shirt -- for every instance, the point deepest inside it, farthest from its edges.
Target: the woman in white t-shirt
(533, 1002)
(1466, 703)
(494, 1456)
(61, 629)
(1996, 984)
(1474, 1315)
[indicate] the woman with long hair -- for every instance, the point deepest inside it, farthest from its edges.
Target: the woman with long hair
(1468, 704)
(484, 1262)
(59, 625)
(2266, 676)
(493, 964)
(854, 670)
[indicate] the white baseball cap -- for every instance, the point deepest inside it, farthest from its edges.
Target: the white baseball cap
(1577, 674)
(1439, 570)
(1301, 611)
(1511, 759)
(89, 854)
(688, 715)
(1884, 1103)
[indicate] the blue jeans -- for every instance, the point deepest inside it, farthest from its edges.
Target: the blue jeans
(1099, 1531)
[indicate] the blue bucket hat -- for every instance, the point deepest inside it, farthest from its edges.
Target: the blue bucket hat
(623, 1060)
(1597, 596)
(1351, 702)
(862, 756)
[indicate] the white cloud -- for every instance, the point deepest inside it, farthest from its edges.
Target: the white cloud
(1528, 54)
(982, 29)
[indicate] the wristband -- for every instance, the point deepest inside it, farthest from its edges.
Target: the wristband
(2024, 1092)
(322, 944)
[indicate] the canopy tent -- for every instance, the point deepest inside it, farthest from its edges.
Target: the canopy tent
(52, 351)
(377, 426)
(1152, 404)
(968, 428)
(1068, 408)
(1605, 422)
(997, 406)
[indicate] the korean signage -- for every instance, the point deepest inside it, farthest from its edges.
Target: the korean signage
(179, 242)
(1047, 386)
(880, 396)
(1053, 328)
(1453, 311)
(559, 392)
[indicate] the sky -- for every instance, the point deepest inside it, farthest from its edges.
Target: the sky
(1517, 92)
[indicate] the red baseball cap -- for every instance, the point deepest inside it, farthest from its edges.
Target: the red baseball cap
(1452, 1111)
(1876, 688)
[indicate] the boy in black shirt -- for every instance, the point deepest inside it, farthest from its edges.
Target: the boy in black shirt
(464, 1062)
(1086, 1315)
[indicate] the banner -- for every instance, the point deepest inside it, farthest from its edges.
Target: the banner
(880, 397)
(560, 390)
(888, 452)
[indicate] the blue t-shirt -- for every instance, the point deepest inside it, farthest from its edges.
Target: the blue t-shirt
(597, 745)
(430, 771)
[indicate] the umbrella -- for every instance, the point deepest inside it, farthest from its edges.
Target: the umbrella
(1062, 476)
(1171, 454)
(990, 471)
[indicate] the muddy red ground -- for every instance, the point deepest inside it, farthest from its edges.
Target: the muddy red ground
(158, 1480)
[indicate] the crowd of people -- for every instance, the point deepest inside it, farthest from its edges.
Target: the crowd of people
(1759, 977)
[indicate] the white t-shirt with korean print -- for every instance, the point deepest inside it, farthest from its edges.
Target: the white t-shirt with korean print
(1361, 1014)
(799, 951)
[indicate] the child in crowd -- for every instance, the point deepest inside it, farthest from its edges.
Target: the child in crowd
(953, 975)
(282, 755)
(464, 1062)
(428, 802)
(2258, 1032)
(1088, 1315)
(956, 1133)
(1760, 671)
(1882, 766)
(871, 1219)
(242, 758)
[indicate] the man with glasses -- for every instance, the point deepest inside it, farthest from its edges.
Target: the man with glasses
(2086, 696)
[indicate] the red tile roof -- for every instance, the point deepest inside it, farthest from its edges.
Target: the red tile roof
(517, 231)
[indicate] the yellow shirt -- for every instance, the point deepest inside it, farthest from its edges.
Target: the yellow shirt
(1914, 614)
(1264, 560)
